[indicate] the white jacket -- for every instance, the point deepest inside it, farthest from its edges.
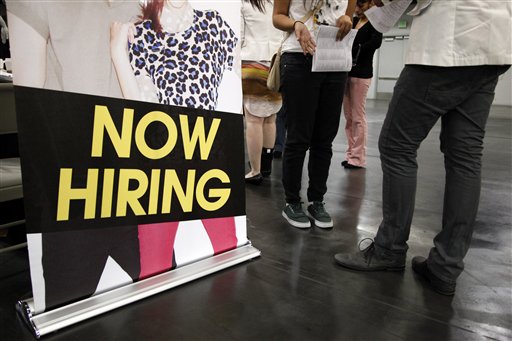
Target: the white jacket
(462, 33)
(260, 40)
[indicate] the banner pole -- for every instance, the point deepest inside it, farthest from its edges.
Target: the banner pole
(53, 320)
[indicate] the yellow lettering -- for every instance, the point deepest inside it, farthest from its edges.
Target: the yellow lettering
(108, 189)
(125, 196)
(172, 183)
(153, 191)
(190, 142)
(221, 193)
(103, 121)
(140, 140)
(66, 194)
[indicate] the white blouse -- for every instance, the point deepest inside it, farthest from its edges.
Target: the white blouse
(260, 39)
(328, 14)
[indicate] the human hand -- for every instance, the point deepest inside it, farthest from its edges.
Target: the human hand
(120, 35)
(344, 23)
(378, 3)
(304, 38)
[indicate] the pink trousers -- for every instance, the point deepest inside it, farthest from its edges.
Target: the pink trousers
(356, 128)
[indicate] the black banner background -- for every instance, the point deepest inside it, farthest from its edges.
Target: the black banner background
(55, 131)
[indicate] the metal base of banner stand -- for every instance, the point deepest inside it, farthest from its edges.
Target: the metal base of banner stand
(53, 320)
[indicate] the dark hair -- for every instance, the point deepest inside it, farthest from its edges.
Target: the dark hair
(152, 11)
(258, 4)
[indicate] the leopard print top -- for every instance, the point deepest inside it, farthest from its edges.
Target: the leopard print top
(186, 67)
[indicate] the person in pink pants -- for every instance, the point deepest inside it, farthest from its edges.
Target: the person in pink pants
(367, 41)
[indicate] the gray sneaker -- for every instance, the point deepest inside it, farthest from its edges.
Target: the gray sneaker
(317, 212)
(295, 215)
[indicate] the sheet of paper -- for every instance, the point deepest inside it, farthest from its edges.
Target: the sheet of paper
(420, 6)
(332, 55)
(385, 17)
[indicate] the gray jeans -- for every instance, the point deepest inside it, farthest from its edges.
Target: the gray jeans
(461, 97)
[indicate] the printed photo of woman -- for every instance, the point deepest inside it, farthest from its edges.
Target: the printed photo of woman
(174, 54)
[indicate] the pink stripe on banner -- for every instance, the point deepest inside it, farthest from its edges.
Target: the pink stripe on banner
(156, 242)
(222, 233)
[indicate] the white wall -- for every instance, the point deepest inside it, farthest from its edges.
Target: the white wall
(389, 61)
(504, 90)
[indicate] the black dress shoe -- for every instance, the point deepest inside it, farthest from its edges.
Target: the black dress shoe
(255, 179)
(344, 163)
(419, 265)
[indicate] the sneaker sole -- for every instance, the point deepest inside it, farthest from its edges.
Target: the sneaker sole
(296, 223)
(320, 224)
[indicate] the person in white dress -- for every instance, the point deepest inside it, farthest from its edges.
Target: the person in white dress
(260, 41)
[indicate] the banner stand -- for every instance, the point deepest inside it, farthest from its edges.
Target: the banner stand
(53, 320)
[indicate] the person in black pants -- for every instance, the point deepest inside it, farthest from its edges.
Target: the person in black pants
(312, 101)
(280, 133)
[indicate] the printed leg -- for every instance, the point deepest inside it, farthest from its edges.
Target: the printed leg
(156, 248)
(222, 233)
(73, 261)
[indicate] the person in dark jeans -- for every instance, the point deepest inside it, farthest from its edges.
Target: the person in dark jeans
(453, 79)
(280, 133)
(312, 101)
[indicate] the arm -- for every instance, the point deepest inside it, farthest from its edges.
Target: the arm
(283, 22)
(345, 21)
(242, 27)
(4, 31)
(237, 61)
(29, 68)
(120, 35)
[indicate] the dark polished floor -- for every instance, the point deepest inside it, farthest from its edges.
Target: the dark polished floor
(294, 291)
